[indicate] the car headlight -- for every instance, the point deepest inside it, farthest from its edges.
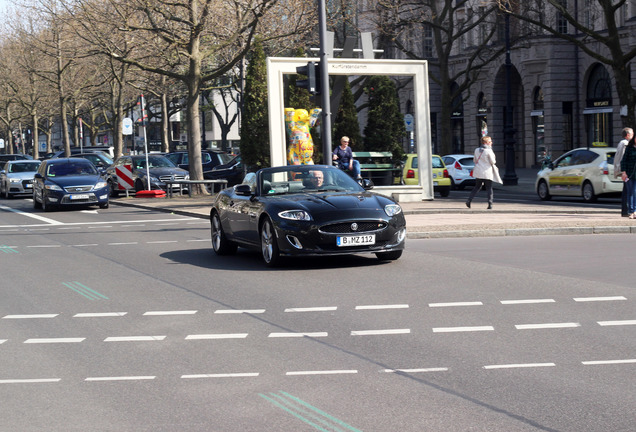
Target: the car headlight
(392, 209)
(154, 179)
(15, 180)
(100, 185)
(300, 215)
(52, 187)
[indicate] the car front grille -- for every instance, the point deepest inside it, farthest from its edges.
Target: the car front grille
(172, 178)
(353, 227)
(75, 189)
(25, 183)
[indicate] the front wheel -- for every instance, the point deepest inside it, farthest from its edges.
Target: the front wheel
(112, 187)
(588, 192)
(139, 186)
(389, 256)
(103, 205)
(269, 245)
(543, 191)
(220, 243)
(36, 203)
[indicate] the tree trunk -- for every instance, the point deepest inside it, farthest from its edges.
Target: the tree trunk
(34, 136)
(165, 122)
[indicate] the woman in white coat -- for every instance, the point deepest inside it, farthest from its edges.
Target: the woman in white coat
(485, 171)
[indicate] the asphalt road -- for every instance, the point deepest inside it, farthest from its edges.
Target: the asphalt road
(124, 319)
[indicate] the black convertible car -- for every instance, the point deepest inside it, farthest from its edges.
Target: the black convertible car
(304, 210)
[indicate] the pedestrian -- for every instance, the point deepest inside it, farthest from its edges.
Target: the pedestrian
(628, 135)
(344, 156)
(628, 174)
(485, 171)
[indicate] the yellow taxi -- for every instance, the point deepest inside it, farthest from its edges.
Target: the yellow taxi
(441, 179)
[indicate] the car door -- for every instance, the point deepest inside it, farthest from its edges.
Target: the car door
(565, 175)
(38, 182)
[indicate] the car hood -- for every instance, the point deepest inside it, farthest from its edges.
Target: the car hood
(365, 204)
(80, 180)
(22, 175)
(164, 171)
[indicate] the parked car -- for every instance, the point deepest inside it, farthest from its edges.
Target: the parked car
(85, 149)
(584, 172)
(100, 159)
(71, 182)
(286, 211)
(209, 159)
(16, 177)
(15, 156)
(459, 167)
(161, 169)
(441, 180)
(231, 171)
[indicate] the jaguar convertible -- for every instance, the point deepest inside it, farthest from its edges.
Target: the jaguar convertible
(306, 210)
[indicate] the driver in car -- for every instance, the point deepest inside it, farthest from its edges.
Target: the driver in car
(316, 179)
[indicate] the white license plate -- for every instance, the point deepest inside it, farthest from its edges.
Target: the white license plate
(78, 197)
(357, 240)
(435, 183)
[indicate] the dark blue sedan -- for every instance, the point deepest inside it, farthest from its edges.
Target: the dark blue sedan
(68, 182)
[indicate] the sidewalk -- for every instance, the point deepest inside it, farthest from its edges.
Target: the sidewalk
(444, 218)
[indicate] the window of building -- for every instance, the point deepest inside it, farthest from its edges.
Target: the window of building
(562, 22)
(427, 43)
(598, 111)
(538, 127)
(482, 115)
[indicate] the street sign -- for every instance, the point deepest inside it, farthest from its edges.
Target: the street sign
(408, 122)
(127, 126)
(42, 146)
(1, 143)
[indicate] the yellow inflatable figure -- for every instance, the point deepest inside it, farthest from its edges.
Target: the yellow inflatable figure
(301, 146)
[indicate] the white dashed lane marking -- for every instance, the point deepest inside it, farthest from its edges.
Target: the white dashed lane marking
(217, 336)
(547, 326)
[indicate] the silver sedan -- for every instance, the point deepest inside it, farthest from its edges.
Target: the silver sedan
(16, 177)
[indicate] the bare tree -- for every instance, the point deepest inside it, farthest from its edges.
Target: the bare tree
(439, 31)
(597, 34)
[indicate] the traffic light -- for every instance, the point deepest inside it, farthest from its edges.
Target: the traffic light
(312, 71)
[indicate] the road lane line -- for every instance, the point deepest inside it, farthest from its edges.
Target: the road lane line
(217, 336)
(313, 309)
(176, 312)
(30, 381)
(44, 246)
(33, 316)
(379, 307)
(599, 299)
(380, 332)
(85, 245)
(198, 240)
(122, 243)
(322, 372)
(53, 340)
(608, 362)
(32, 215)
(162, 241)
(99, 314)
(3, 341)
(121, 378)
(455, 304)
(462, 329)
(547, 326)
(617, 323)
(134, 338)
(239, 311)
(527, 301)
(421, 370)
(225, 375)
(298, 335)
(519, 365)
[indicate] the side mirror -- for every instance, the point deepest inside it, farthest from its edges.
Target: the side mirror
(37, 176)
(366, 184)
(243, 190)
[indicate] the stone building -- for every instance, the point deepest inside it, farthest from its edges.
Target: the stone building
(562, 98)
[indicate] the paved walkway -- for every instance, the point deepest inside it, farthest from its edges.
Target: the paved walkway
(445, 217)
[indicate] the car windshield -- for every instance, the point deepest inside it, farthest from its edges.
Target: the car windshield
(21, 167)
(75, 168)
(305, 178)
(225, 158)
(153, 161)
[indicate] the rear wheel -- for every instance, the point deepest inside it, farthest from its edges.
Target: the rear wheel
(389, 256)
(444, 191)
(269, 245)
(588, 192)
(220, 243)
(543, 191)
